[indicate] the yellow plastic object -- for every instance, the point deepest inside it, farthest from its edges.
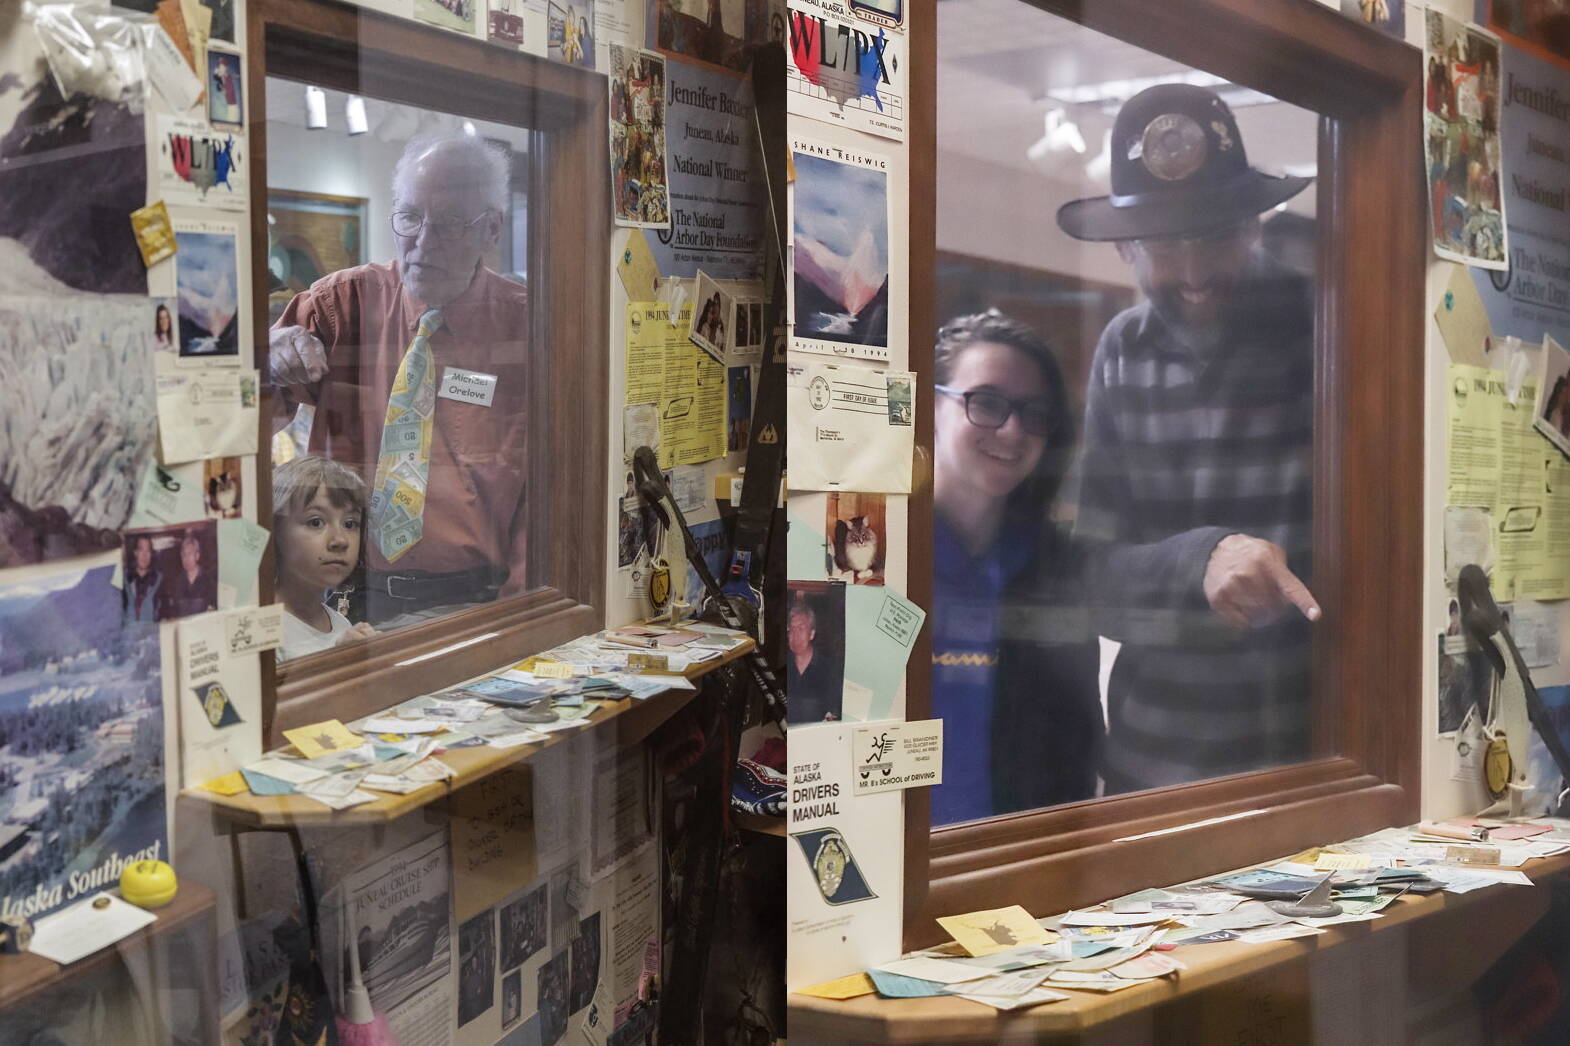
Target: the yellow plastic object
(148, 884)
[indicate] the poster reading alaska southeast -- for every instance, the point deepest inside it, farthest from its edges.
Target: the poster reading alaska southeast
(844, 70)
(81, 739)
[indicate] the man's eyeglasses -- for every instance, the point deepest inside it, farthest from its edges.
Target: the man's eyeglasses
(1167, 247)
(992, 410)
(448, 230)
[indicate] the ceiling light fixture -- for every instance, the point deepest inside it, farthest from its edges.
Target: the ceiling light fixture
(315, 108)
(1060, 135)
(1099, 169)
(354, 113)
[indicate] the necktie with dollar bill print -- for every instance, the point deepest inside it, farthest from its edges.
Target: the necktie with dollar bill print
(404, 466)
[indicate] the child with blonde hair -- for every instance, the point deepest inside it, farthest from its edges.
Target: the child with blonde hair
(318, 516)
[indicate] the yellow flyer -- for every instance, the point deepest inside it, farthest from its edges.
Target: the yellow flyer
(323, 738)
(995, 930)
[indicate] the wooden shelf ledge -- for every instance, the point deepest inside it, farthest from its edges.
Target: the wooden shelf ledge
(23, 976)
(632, 720)
(873, 1019)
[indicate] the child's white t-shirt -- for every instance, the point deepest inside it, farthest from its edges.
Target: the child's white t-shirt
(300, 639)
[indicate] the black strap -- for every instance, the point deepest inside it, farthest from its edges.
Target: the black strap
(760, 487)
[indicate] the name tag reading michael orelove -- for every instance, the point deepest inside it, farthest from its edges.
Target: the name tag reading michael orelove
(467, 386)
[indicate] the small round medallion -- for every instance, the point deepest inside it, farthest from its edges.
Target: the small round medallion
(1173, 147)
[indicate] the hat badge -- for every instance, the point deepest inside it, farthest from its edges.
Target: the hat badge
(1173, 147)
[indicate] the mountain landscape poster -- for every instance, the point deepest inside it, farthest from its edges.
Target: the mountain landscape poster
(840, 258)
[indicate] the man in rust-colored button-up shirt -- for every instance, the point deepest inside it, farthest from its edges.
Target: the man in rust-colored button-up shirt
(338, 346)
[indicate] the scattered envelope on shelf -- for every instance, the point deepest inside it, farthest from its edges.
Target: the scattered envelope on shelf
(329, 737)
(850, 987)
(943, 971)
(995, 930)
(78, 931)
(899, 986)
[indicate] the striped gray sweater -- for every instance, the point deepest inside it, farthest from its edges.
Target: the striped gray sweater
(1180, 450)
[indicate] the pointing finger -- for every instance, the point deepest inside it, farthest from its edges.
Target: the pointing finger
(1295, 591)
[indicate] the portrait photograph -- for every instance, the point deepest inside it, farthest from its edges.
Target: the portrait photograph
(553, 998)
(225, 94)
(711, 319)
(719, 32)
(170, 572)
(1553, 395)
(738, 408)
(1539, 26)
(512, 998)
(585, 963)
(569, 31)
(1465, 677)
(523, 927)
(476, 966)
(814, 650)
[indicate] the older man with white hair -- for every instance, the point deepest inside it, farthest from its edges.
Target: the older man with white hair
(417, 372)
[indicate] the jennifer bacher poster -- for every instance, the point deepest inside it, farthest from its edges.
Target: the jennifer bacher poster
(716, 182)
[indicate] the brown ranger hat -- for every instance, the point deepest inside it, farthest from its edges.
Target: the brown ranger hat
(1178, 169)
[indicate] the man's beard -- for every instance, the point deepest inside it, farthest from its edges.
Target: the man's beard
(1202, 337)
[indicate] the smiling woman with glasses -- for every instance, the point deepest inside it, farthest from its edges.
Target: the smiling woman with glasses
(1021, 717)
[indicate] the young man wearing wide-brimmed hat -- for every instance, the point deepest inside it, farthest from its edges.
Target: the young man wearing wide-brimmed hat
(1197, 469)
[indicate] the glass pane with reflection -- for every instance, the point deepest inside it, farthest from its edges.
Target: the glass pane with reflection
(1124, 399)
(397, 258)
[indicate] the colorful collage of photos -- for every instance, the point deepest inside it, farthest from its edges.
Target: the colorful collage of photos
(640, 197)
(1461, 142)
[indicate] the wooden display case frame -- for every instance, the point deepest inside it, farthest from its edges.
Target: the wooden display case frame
(1369, 466)
(360, 51)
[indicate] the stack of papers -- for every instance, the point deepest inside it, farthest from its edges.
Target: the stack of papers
(1005, 959)
(394, 752)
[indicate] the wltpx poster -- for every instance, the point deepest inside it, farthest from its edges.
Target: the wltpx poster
(843, 70)
(81, 739)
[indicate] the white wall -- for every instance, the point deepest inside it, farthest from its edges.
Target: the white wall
(329, 161)
(1023, 232)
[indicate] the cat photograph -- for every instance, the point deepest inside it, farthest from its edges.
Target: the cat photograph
(855, 527)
